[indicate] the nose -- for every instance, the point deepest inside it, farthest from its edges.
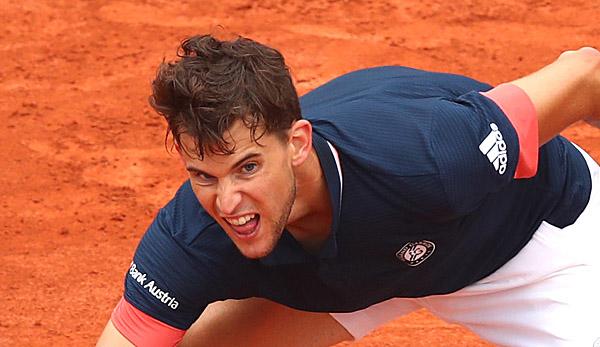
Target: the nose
(228, 198)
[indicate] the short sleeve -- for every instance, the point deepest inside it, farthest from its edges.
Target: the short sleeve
(183, 262)
(163, 278)
(482, 142)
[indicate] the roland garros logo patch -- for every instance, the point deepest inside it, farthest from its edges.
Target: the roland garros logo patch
(416, 252)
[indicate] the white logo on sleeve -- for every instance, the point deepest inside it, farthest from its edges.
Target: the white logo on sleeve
(494, 147)
(152, 288)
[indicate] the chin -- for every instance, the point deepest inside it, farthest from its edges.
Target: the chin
(256, 251)
(254, 254)
(258, 244)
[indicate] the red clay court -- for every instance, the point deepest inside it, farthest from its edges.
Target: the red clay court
(84, 168)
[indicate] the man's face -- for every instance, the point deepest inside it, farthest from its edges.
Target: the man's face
(250, 193)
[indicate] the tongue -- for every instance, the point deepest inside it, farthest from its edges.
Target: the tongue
(246, 228)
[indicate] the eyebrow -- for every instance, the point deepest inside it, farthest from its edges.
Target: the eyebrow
(236, 164)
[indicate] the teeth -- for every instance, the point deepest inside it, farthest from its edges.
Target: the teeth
(241, 220)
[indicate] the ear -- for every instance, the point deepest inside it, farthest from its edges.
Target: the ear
(300, 141)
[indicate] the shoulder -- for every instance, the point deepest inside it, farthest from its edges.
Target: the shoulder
(395, 81)
(184, 262)
(184, 236)
(183, 217)
(385, 114)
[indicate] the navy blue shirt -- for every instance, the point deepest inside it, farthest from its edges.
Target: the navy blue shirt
(427, 204)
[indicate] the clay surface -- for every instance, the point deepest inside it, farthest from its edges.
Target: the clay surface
(83, 162)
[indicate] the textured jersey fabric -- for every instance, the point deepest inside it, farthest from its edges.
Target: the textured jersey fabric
(430, 204)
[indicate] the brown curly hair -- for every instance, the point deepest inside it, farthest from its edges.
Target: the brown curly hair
(214, 83)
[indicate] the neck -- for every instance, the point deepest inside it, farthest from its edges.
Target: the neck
(311, 216)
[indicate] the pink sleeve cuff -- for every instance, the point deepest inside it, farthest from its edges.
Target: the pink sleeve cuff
(519, 109)
(141, 329)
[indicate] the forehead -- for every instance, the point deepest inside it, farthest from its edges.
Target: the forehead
(238, 138)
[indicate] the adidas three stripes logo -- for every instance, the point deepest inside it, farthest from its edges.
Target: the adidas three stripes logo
(494, 148)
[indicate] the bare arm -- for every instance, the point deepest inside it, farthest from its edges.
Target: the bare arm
(258, 322)
(112, 337)
(250, 322)
(565, 91)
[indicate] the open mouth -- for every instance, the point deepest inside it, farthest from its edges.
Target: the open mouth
(244, 226)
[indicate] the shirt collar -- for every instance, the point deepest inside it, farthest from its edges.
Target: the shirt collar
(288, 250)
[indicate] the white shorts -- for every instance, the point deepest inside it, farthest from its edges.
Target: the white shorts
(547, 295)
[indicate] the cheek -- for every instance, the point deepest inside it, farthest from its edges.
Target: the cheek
(265, 192)
(277, 186)
(204, 197)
